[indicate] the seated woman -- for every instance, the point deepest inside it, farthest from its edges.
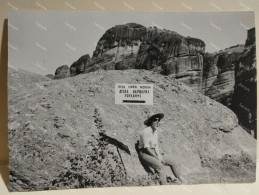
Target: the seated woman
(149, 152)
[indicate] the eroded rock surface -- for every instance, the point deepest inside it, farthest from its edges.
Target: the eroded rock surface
(80, 65)
(132, 46)
(245, 97)
(62, 72)
(230, 78)
(55, 129)
(219, 74)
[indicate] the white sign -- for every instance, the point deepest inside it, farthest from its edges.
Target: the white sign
(134, 94)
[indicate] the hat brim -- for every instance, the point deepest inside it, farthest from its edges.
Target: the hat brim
(150, 119)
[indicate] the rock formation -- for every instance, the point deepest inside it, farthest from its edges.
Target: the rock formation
(219, 74)
(132, 46)
(57, 128)
(80, 65)
(230, 78)
(118, 47)
(244, 102)
(62, 72)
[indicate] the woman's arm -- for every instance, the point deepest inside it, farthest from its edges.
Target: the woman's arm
(151, 152)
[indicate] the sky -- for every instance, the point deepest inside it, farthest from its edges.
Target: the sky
(40, 42)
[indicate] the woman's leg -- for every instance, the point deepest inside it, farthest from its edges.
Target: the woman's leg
(155, 164)
(174, 167)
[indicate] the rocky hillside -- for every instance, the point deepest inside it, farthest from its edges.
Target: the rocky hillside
(133, 46)
(21, 77)
(69, 133)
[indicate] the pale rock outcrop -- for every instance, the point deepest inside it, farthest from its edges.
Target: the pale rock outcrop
(56, 133)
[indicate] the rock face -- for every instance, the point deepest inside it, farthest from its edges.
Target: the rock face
(132, 46)
(51, 149)
(250, 37)
(175, 55)
(62, 72)
(118, 47)
(80, 65)
(219, 74)
(230, 78)
(245, 97)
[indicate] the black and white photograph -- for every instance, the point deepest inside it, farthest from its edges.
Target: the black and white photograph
(111, 99)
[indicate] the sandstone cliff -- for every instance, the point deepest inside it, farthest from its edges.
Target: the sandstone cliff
(219, 73)
(132, 46)
(230, 78)
(244, 102)
(59, 132)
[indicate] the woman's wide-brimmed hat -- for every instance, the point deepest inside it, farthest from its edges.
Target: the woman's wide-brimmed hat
(150, 119)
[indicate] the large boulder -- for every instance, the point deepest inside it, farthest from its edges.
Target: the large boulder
(62, 72)
(80, 65)
(94, 145)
